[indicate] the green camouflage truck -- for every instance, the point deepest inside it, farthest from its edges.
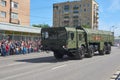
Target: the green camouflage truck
(76, 42)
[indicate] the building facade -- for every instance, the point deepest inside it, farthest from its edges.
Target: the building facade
(15, 11)
(76, 13)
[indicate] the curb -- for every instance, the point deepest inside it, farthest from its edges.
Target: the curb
(116, 75)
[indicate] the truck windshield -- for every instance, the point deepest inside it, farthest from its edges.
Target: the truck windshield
(53, 35)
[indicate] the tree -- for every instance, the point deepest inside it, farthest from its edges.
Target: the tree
(86, 26)
(41, 25)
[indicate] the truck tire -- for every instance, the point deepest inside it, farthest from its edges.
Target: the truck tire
(90, 52)
(108, 49)
(58, 55)
(79, 54)
(70, 55)
(101, 52)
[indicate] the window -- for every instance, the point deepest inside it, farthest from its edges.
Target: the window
(80, 5)
(45, 35)
(76, 7)
(2, 14)
(66, 23)
(75, 22)
(14, 15)
(75, 16)
(66, 16)
(66, 8)
(80, 37)
(15, 5)
(3, 3)
(75, 11)
(72, 36)
(85, 10)
(88, 5)
(55, 7)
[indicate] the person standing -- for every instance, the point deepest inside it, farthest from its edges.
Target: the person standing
(3, 49)
(0, 47)
(7, 49)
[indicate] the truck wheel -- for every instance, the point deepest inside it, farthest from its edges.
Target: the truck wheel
(101, 52)
(58, 55)
(70, 55)
(79, 54)
(90, 52)
(108, 49)
(108, 52)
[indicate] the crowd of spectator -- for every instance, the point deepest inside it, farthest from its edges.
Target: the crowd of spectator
(12, 47)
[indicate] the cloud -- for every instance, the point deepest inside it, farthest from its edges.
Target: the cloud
(115, 5)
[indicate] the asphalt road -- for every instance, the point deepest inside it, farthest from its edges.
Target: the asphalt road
(43, 66)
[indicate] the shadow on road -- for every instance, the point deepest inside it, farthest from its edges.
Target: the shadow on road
(50, 59)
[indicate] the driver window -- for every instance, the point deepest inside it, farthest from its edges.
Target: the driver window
(46, 35)
(80, 37)
(71, 36)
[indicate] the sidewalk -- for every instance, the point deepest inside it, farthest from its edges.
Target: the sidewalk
(116, 76)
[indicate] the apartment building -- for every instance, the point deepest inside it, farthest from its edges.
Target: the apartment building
(76, 13)
(15, 12)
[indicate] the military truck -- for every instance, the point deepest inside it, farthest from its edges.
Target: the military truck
(76, 43)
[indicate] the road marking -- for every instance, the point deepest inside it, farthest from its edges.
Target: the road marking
(59, 67)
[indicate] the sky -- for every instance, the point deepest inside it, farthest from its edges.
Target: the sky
(41, 12)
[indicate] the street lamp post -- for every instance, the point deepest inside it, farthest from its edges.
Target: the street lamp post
(112, 29)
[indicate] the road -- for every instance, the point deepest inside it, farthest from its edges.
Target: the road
(43, 66)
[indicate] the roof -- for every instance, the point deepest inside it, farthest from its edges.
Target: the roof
(92, 31)
(19, 28)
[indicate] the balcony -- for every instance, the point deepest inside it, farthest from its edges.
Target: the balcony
(75, 8)
(66, 19)
(75, 12)
(97, 17)
(97, 13)
(55, 7)
(76, 17)
(66, 13)
(97, 9)
(14, 21)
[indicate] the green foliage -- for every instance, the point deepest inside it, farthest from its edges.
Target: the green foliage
(40, 25)
(86, 26)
